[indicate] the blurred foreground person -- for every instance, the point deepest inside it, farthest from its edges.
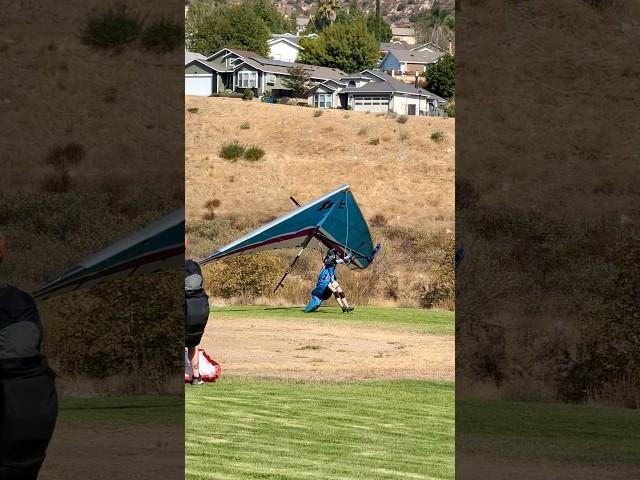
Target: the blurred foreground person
(196, 315)
(28, 400)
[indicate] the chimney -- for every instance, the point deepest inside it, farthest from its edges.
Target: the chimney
(416, 81)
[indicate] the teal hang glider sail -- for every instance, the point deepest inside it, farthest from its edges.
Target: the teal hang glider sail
(332, 221)
(158, 246)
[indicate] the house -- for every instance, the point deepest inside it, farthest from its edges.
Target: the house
(301, 24)
(374, 91)
(285, 47)
(404, 34)
(237, 70)
(409, 62)
(385, 47)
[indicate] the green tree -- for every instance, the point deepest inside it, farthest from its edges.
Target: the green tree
(437, 25)
(210, 29)
(380, 29)
(349, 47)
(298, 81)
(273, 19)
(326, 14)
(441, 77)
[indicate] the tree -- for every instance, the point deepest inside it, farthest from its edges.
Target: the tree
(380, 29)
(437, 25)
(441, 77)
(326, 14)
(298, 81)
(211, 29)
(269, 14)
(349, 47)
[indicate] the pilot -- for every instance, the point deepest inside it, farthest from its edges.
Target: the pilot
(328, 277)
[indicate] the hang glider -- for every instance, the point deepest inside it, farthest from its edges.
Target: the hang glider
(332, 221)
(158, 246)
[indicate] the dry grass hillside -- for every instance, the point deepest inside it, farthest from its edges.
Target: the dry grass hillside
(404, 185)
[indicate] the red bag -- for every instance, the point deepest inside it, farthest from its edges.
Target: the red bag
(210, 370)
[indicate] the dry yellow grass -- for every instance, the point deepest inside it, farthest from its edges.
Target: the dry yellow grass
(410, 182)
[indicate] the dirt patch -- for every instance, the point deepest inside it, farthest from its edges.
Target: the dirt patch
(319, 350)
(140, 452)
(481, 468)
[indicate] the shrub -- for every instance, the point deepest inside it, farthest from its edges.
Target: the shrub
(317, 113)
(437, 136)
(254, 153)
(363, 130)
(192, 109)
(111, 27)
(245, 126)
(378, 220)
(284, 100)
(213, 203)
(402, 119)
(450, 109)
(62, 156)
(404, 136)
(232, 150)
(374, 141)
(162, 36)
(391, 115)
(247, 94)
(246, 277)
(379, 114)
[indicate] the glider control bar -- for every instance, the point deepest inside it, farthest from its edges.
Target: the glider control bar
(286, 272)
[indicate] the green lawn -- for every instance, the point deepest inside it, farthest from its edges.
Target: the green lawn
(554, 432)
(243, 428)
(118, 411)
(438, 322)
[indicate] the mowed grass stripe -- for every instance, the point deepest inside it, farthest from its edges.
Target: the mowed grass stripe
(273, 429)
(583, 434)
(435, 322)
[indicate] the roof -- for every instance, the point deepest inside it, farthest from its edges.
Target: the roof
(411, 56)
(293, 41)
(282, 67)
(403, 31)
(427, 46)
(285, 36)
(384, 46)
(388, 84)
(190, 56)
(217, 66)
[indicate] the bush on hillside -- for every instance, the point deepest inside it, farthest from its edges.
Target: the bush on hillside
(246, 277)
(111, 27)
(232, 150)
(162, 36)
(253, 153)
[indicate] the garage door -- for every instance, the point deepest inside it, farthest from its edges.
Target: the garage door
(371, 104)
(200, 85)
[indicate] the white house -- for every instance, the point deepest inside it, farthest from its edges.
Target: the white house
(374, 91)
(284, 47)
(301, 24)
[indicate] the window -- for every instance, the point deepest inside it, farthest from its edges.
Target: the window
(271, 79)
(248, 79)
(323, 100)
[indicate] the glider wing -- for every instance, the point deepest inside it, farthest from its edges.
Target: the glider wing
(158, 246)
(331, 221)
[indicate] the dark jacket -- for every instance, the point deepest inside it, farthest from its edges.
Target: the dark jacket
(196, 304)
(28, 400)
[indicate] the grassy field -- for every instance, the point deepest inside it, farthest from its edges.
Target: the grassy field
(282, 429)
(438, 322)
(525, 431)
(119, 411)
